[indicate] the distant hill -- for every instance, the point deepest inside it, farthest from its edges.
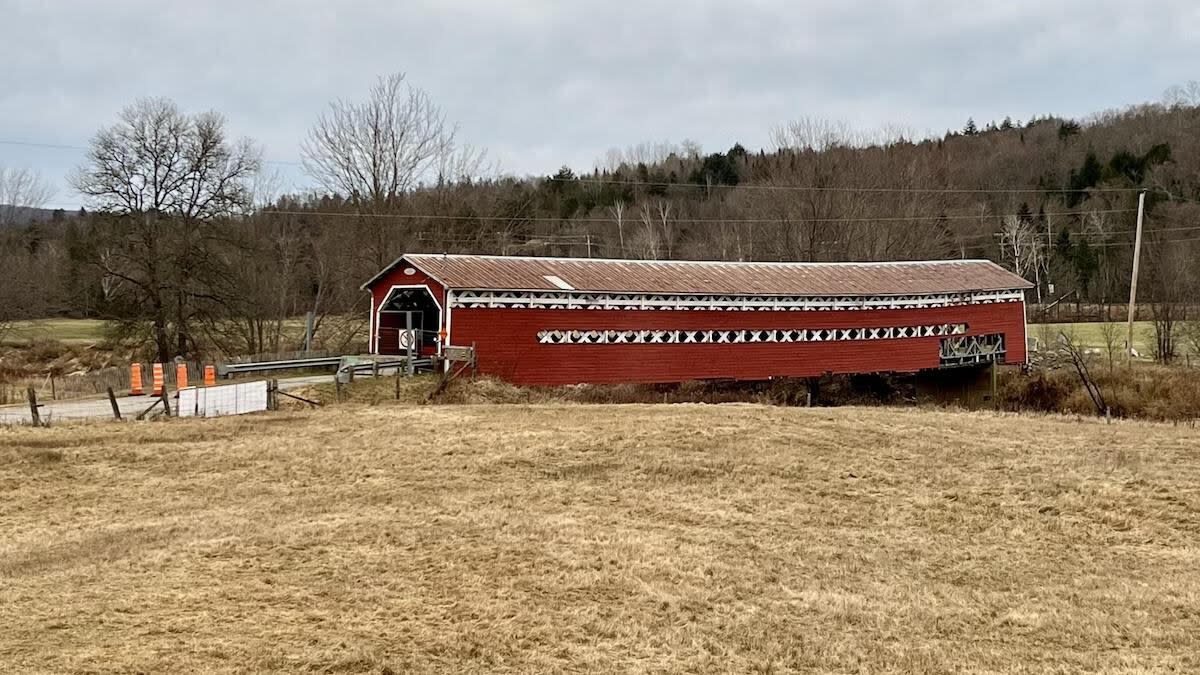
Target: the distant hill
(17, 216)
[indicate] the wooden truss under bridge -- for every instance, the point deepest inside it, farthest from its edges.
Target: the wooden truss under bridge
(972, 349)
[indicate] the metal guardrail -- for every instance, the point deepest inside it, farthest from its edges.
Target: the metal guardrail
(376, 367)
(230, 369)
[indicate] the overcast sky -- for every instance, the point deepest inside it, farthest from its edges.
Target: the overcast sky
(541, 84)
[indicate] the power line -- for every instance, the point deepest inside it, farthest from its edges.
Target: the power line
(31, 144)
(1189, 228)
(710, 221)
(62, 146)
(1130, 243)
(812, 188)
(739, 186)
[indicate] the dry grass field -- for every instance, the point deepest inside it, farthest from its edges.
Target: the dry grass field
(493, 538)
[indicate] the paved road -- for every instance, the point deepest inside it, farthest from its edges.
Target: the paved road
(130, 405)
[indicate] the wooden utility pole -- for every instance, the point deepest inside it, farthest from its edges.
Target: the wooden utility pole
(1133, 279)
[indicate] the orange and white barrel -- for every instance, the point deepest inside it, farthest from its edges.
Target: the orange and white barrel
(135, 380)
(181, 375)
(157, 380)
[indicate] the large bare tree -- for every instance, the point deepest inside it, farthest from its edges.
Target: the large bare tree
(157, 159)
(165, 181)
(374, 151)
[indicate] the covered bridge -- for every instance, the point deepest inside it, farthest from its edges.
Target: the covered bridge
(549, 321)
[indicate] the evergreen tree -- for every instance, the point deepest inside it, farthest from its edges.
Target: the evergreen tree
(1086, 264)
(970, 129)
(1024, 214)
(1067, 129)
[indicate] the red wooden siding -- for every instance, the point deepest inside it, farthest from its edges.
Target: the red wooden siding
(507, 345)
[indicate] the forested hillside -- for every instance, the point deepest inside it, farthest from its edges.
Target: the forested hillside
(205, 264)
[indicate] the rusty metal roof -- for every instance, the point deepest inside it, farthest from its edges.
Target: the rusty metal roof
(485, 272)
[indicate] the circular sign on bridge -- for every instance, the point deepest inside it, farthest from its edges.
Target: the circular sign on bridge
(408, 338)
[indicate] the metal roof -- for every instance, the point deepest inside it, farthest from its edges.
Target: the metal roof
(485, 272)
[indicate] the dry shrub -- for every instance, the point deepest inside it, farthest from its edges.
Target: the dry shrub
(837, 390)
(1042, 391)
(482, 390)
(1149, 392)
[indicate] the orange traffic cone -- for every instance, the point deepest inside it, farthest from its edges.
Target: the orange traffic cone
(210, 376)
(181, 375)
(135, 380)
(157, 381)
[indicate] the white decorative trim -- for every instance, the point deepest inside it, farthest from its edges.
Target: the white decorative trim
(471, 299)
(373, 339)
(722, 336)
(377, 323)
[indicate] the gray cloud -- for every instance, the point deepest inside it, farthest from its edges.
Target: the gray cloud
(546, 83)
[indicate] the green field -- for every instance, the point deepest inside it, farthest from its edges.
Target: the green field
(1090, 335)
(67, 330)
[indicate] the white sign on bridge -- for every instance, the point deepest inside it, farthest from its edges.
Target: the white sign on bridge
(230, 399)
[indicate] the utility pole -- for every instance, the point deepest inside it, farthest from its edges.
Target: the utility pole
(1137, 256)
(1049, 252)
(308, 332)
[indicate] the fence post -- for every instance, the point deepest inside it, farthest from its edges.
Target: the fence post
(166, 401)
(273, 395)
(53, 388)
(112, 398)
(33, 408)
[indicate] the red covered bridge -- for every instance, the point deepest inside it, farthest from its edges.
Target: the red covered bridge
(549, 321)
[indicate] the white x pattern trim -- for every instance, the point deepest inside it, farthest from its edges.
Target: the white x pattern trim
(617, 337)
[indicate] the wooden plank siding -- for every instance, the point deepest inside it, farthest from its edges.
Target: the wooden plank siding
(507, 346)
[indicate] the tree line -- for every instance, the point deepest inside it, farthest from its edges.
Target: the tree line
(186, 250)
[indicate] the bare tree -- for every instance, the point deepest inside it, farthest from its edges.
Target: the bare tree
(157, 159)
(659, 233)
(21, 190)
(164, 181)
(1022, 245)
(1172, 286)
(374, 151)
(617, 211)
(815, 134)
(1113, 340)
(1182, 95)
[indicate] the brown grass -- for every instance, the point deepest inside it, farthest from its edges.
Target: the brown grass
(840, 390)
(475, 538)
(1143, 391)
